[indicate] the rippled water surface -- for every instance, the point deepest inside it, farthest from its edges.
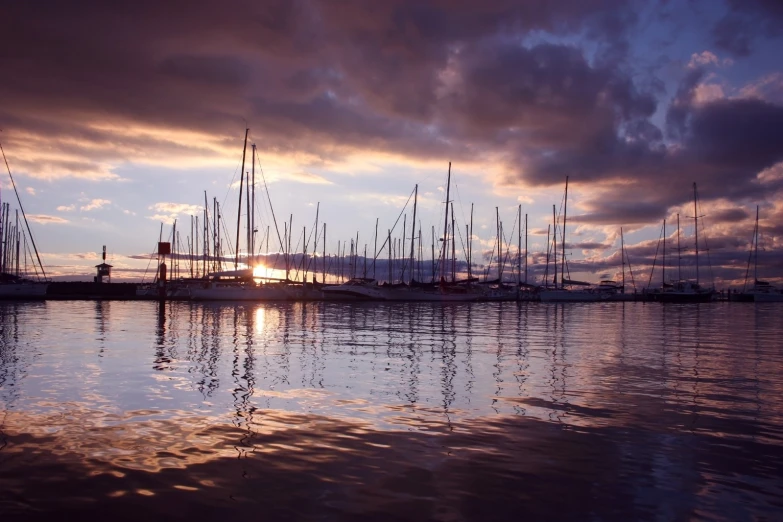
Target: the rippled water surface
(325, 411)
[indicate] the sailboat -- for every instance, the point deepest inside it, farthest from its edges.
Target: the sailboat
(564, 292)
(761, 291)
(685, 290)
(616, 290)
(239, 284)
(442, 291)
(13, 242)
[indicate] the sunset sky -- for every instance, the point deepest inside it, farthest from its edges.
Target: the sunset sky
(116, 117)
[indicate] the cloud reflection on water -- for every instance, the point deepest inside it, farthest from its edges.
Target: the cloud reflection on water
(308, 466)
(413, 412)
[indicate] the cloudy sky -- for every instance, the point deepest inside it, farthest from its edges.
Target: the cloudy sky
(116, 118)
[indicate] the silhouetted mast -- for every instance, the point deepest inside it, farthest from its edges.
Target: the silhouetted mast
(622, 256)
(663, 263)
(453, 247)
(445, 225)
(470, 244)
(519, 248)
(554, 243)
(565, 214)
(375, 253)
(525, 248)
(253, 208)
(413, 225)
(696, 226)
(756, 251)
(500, 244)
(239, 210)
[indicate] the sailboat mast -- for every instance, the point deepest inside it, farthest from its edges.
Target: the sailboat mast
(663, 262)
(390, 256)
(215, 230)
(375, 254)
(470, 244)
(16, 237)
(554, 243)
(519, 248)
(248, 239)
(402, 247)
(525, 248)
(467, 253)
(696, 227)
(288, 252)
(500, 243)
(315, 243)
(174, 258)
(420, 254)
(191, 245)
(453, 247)
(432, 259)
(253, 208)
(205, 249)
(565, 214)
(285, 252)
(679, 251)
(3, 235)
(622, 256)
(3, 238)
(239, 209)
(18, 243)
(413, 225)
(756, 250)
(445, 226)
(548, 249)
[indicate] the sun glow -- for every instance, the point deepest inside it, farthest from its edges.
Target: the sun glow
(263, 272)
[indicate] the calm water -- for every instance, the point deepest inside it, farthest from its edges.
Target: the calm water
(324, 411)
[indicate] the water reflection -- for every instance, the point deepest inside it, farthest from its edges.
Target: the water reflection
(413, 411)
(410, 353)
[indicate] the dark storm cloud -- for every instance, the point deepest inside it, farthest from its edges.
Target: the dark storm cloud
(588, 245)
(550, 92)
(721, 145)
(682, 104)
(632, 211)
(734, 34)
(392, 53)
(731, 215)
(746, 21)
(745, 136)
(185, 65)
(194, 64)
(424, 79)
